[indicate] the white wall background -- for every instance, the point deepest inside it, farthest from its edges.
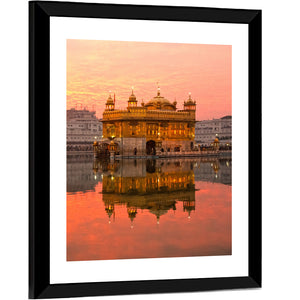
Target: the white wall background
(281, 95)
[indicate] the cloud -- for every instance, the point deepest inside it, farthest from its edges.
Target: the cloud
(95, 67)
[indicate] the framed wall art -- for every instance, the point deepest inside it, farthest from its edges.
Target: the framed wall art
(144, 150)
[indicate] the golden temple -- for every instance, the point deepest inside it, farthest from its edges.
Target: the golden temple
(149, 129)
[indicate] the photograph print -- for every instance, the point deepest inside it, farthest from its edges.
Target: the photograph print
(148, 146)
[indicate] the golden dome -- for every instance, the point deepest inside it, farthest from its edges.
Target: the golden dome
(216, 140)
(159, 102)
(132, 97)
(110, 100)
(190, 102)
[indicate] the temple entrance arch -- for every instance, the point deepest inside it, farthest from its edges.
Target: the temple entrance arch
(150, 148)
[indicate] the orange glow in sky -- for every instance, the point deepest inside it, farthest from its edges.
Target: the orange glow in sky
(96, 67)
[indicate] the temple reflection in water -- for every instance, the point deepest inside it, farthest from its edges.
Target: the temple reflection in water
(149, 192)
(156, 185)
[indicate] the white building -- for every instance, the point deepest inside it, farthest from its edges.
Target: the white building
(207, 130)
(83, 127)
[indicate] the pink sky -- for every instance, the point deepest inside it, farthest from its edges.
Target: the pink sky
(96, 67)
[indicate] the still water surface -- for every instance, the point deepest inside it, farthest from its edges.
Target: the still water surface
(148, 208)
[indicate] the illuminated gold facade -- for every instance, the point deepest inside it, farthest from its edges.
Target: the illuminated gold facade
(151, 128)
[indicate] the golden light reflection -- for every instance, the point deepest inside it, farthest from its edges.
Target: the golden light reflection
(152, 208)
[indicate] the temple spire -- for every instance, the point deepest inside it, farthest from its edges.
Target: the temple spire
(158, 89)
(110, 103)
(132, 102)
(190, 104)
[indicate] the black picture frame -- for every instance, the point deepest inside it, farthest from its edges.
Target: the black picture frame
(39, 138)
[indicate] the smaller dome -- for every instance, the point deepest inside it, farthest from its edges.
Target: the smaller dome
(132, 97)
(109, 100)
(216, 140)
(190, 101)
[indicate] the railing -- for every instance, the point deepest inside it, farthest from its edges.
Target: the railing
(147, 114)
(189, 153)
(176, 154)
